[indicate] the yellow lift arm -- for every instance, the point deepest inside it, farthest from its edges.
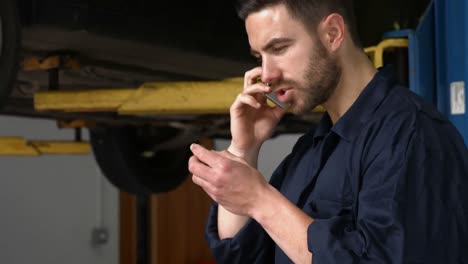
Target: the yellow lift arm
(18, 146)
(375, 53)
(212, 97)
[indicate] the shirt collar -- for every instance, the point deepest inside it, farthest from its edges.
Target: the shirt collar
(350, 124)
(323, 127)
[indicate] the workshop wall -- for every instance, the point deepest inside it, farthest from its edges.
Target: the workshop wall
(50, 204)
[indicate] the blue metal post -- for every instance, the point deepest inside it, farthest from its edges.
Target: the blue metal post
(451, 39)
(421, 56)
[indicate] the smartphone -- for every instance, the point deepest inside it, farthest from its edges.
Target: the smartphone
(272, 97)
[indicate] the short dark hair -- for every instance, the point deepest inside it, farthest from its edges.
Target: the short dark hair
(310, 12)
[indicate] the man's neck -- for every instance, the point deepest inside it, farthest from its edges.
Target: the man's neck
(357, 72)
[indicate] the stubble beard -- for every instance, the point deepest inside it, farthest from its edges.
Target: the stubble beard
(320, 81)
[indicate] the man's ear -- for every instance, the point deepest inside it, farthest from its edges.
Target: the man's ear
(332, 32)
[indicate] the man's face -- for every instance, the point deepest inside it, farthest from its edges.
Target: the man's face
(300, 69)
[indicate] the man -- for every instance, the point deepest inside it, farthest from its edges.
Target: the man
(383, 178)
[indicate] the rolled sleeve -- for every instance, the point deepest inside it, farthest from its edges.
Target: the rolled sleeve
(250, 245)
(375, 237)
(334, 241)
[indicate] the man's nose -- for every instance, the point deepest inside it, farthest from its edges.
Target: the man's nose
(270, 72)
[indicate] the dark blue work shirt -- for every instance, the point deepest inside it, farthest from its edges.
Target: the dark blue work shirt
(388, 183)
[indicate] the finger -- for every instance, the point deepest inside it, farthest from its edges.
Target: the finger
(210, 158)
(207, 187)
(199, 168)
(210, 194)
(249, 100)
(258, 88)
(251, 76)
(240, 103)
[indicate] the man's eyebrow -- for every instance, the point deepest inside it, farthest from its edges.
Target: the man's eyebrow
(270, 44)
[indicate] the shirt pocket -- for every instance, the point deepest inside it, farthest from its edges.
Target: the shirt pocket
(324, 209)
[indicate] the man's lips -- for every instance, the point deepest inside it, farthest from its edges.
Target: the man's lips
(282, 94)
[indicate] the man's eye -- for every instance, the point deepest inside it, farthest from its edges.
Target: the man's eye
(279, 49)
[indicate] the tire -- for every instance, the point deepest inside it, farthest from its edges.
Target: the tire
(10, 39)
(118, 152)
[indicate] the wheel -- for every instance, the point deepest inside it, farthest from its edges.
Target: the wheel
(123, 156)
(10, 40)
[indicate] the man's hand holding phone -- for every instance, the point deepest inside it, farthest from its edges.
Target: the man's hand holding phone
(252, 120)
